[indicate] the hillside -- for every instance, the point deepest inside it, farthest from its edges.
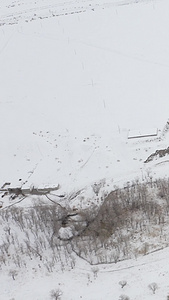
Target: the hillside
(83, 113)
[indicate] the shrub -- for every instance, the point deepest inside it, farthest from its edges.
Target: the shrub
(122, 283)
(153, 287)
(56, 294)
(124, 297)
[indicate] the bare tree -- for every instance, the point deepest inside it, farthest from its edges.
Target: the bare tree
(95, 271)
(56, 294)
(123, 283)
(124, 297)
(153, 287)
(13, 273)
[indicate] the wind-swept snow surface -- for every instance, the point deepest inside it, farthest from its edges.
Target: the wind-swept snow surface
(71, 88)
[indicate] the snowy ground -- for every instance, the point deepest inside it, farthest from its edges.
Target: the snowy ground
(80, 283)
(75, 77)
(71, 88)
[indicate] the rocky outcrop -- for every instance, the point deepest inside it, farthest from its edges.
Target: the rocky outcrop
(157, 154)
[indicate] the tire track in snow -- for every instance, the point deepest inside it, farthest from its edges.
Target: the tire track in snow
(7, 42)
(125, 55)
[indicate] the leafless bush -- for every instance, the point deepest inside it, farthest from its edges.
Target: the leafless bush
(95, 271)
(124, 297)
(96, 187)
(145, 248)
(49, 266)
(123, 283)
(3, 259)
(13, 273)
(153, 287)
(56, 294)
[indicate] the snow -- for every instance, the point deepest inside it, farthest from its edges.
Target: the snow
(65, 233)
(75, 77)
(79, 283)
(78, 83)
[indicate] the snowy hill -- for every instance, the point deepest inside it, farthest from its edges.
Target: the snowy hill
(80, 283)
(71, 88)
(77, 77)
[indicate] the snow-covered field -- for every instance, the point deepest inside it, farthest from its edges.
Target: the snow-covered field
(71, 88)
(80, 283)
(76, 78)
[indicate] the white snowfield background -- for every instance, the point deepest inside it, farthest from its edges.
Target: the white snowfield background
(76, 78)
(72, 86)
